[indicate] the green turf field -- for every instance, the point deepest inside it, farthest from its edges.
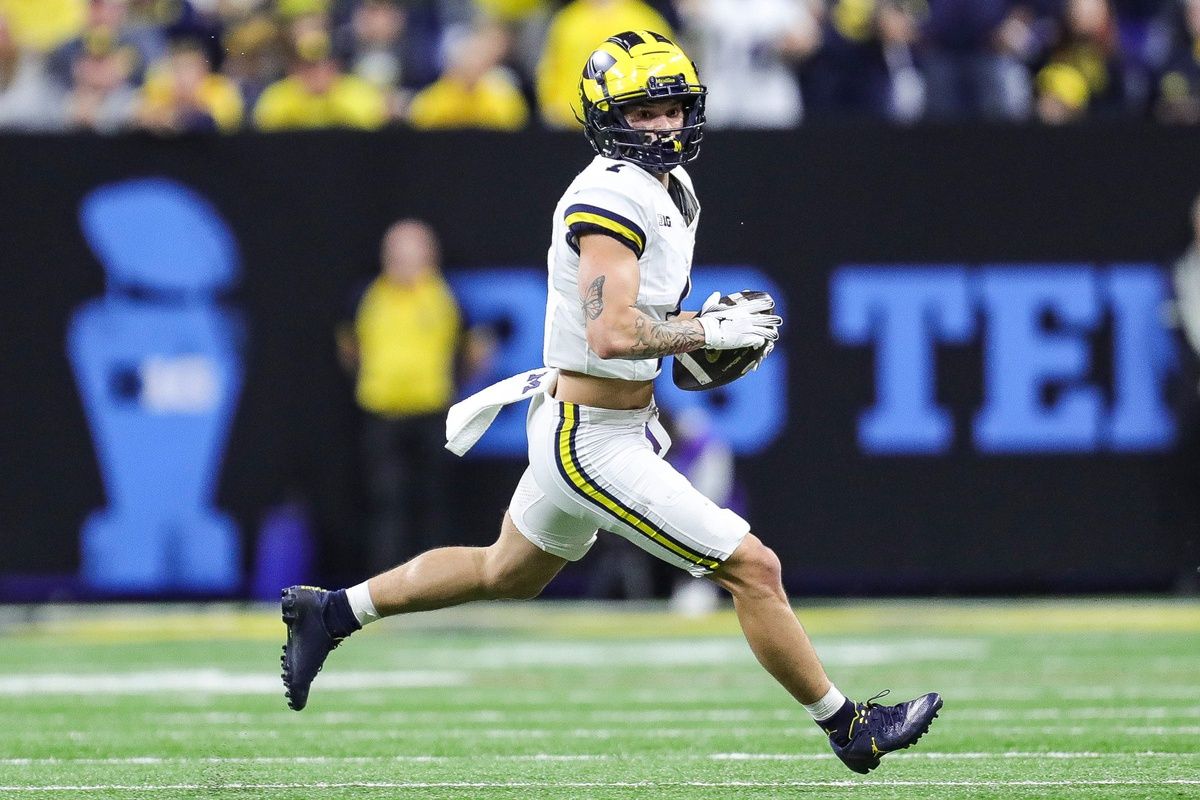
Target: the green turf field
(1073, 699)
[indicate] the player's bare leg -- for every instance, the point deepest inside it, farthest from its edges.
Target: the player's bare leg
(753, 576)
(859, 732)
(512, 568)
(317, 620)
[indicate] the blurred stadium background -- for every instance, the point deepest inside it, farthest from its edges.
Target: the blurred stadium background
(978, 216)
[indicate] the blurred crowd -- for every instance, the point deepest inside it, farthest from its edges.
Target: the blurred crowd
(227, 65)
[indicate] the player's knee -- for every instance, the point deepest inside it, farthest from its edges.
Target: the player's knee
(764, 571)
(752, 569)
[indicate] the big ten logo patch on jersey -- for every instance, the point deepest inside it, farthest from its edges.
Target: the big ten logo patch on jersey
(750, 413)
(664, 221)
(158, 364)
(1074, 357)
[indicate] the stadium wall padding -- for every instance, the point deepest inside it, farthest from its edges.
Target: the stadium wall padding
(931, 276)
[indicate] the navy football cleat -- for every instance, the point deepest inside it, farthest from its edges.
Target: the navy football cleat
(878, 730)
(308, 642)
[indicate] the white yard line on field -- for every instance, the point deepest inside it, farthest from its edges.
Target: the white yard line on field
(571, 757)
(698, 652)
(22, 762)
(448, 669)
(634, 716)
(214, 681)
(1149, 691)
(939, 756)
(843, 784)
(756, 731)
(199, 683)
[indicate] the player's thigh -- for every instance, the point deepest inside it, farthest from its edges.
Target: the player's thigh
(549, 521)
(656, 507)
(599, 470)
(516, 566)
(537, 538)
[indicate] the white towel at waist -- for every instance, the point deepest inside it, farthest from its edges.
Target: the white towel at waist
(469, 418)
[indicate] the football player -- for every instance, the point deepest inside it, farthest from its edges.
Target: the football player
(619, 264)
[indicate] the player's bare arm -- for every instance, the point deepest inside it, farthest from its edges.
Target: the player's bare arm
(608, 286)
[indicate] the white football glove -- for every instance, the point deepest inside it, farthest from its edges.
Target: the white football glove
(746, 323)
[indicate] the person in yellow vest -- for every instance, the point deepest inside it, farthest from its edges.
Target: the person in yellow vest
(569, 42)
(403, 344)
(317, 94)
(475, 91)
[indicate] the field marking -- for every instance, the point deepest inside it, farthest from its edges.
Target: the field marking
(1171, 692)
(182, 622)
(842, 784)
(1081, 712)
(943, 756)
(700, 652)
(134, 760)
(568, 757)
(633, 716)
(212, 681)
(807, 731)
(706, 652)
(215, 681)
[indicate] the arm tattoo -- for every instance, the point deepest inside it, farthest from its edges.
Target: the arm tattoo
(653, 338)
(593, 299)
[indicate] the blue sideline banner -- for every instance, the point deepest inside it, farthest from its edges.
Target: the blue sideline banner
(974, 390)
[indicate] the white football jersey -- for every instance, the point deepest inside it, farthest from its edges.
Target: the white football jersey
(621, 200)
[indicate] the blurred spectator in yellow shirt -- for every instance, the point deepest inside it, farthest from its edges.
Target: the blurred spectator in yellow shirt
(30, 100)
(110, 18)
(42, 25)
(402, 344)
(474, 91)
(1062, 94)
(527, 22)
(317, 94)
(1174, 55)
(509, 10)
(102, 97)
(291, 9)
(254, 55)
(372, 42)
(574, 33)
(1090, 42)
(183, 95)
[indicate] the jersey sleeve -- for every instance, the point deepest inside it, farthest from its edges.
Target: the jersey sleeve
(606, 211)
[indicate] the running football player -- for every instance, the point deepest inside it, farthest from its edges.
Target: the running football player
(619, 265)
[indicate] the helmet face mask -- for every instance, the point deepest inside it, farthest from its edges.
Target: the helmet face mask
(637, 67)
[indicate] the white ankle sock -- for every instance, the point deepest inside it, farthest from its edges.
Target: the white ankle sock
(827, 706)
(361, 603)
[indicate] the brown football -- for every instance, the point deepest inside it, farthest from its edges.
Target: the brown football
(708, 369)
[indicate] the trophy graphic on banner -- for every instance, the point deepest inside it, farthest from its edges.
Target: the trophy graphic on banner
(158, 366)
